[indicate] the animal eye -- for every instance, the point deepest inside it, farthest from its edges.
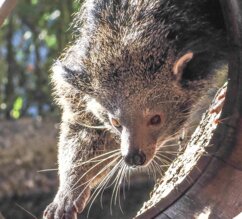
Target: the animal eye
(115, 123)
(155, 120)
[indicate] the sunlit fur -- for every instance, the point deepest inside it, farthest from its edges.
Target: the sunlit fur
(120, 66)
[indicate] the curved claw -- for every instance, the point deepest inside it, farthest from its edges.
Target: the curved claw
(66, 207)
(220, 102)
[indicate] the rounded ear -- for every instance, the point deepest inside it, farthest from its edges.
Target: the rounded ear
(79, 79)
(180, 65)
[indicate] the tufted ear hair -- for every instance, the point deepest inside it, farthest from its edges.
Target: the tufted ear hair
(79, 79)
(180, 65)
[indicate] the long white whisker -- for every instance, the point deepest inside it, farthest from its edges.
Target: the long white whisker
(115, 187)
(101, 185)
(153, 171)
(162, 161)
(119, 187)
(100, 160)
(93, 167)
(165, 156)
(99, 156)
(168, 146)
(111, 184)
(159, 168)
(125, 178)
(46, 170)
(87, 183)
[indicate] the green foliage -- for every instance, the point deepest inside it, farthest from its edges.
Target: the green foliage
(51, 41)
(17, 106)
(30, 40)
(34, 2)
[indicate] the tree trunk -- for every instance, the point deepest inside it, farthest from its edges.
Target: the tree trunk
(9, 89)
(6, 6)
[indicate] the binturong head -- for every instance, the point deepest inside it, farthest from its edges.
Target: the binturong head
(144, 70)
(146, 102)
(148, 113)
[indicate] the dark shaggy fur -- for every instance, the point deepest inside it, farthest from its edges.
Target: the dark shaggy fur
(121, 66)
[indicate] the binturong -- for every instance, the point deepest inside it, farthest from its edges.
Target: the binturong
(137, 74)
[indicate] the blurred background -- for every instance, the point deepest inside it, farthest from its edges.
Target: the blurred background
(30, 40)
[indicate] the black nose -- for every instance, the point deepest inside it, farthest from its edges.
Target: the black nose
(135, 158)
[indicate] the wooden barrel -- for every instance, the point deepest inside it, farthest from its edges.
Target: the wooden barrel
(206, 180)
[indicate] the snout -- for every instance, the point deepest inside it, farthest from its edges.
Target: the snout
(137, 147)
(135, 158)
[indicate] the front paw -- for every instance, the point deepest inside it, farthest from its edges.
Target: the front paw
(60, 211)
(66, 206)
